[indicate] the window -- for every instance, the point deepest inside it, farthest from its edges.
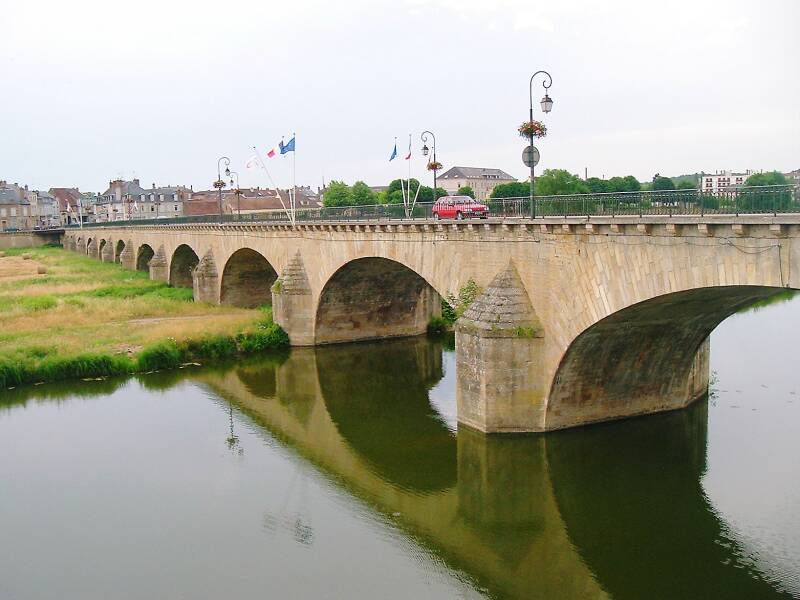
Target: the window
(176, 207)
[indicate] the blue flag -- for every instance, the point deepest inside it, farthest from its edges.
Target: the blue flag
(394, 152)
(288, 147)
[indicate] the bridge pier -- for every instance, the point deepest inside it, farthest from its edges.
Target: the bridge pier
(499, 356)
(158, 267)
(292, 303)
(128, 256)
(80, 246)
(205, 280)
(107, 253)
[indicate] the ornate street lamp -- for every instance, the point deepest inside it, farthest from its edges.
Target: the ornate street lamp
(219, 184)
(238, 193)
(432, 164)
(547, 106)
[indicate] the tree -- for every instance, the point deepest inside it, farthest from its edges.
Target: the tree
(662, 183)
(515, 189)
(772, 178)
(466, 190)
(394, 195)
(560, 181)
(631, 184)
(362, 194)
(597, 185)
(338, 194)
(686, 184)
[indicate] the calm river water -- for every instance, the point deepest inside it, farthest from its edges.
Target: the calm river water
(340, 473)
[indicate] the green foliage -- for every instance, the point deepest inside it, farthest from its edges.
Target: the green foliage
(555, 182)
(18, 372)
(437, 325)
(597, 185)
(514, 189)
(662, 183)
(466, 190)
(35, 303)
(338, 194)
(771, 178)
(455, 306)
(686, 184)
(161, 355)
(362, 194)
(160, 290)
(394, 195)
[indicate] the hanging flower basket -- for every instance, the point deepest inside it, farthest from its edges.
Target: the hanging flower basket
(536, 129)
(434, 166)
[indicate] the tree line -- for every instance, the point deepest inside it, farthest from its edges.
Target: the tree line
(558, 182)
(552, 182)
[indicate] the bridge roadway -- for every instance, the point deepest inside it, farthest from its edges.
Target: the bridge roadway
(580, 319)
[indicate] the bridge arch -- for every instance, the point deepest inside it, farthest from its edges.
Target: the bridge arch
(182, 266)
(118, 251)
(649, 357)
(100, 246)
(143, 256)
(247, 279)
(374, 297)
(90, 246)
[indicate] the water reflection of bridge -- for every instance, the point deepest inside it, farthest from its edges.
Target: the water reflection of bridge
(615, 510)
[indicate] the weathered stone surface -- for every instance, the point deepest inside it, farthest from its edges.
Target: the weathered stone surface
(247, 280)
(158, 266)
(128, 256)
(107, 252)
(575, 280)
(91, 248)
(499, 357)
(293, 303)
(205, 280)
(143, 257)
(503, 310)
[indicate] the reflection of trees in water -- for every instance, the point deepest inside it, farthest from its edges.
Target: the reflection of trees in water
(631, 498)
(377, 395)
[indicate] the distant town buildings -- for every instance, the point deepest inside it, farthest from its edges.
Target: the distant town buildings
(723, 181)
(481, 180)
(249, 201)
(793, 177)
(128, 200)
(15, 209)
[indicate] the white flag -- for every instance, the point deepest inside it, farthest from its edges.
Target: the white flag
(252, 162)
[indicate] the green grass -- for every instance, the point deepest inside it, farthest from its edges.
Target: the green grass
(87, 319)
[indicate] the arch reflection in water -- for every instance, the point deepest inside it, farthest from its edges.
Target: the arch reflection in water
(614, 510)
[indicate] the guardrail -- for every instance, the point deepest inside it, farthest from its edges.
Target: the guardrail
(750, 200)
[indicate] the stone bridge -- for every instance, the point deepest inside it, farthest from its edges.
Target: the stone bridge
(580, 320)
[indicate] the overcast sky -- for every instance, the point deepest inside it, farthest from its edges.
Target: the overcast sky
(93, 90)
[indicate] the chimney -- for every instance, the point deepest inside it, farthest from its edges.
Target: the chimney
(154, 185)
(135, 182)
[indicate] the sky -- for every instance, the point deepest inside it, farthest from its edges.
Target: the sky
(160, 89)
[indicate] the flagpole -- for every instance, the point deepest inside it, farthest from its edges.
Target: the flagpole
(294, 180)
(408, 185)
(277, 191)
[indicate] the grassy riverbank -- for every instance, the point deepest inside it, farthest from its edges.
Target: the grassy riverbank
(67, 316)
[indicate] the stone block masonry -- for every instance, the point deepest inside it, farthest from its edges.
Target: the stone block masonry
(583, 320)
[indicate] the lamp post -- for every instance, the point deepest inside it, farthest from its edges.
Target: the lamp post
(219, 184)
(547, 106)
(238, 193)
(424, 138)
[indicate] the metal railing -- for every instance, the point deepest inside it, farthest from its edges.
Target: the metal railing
(772, 200)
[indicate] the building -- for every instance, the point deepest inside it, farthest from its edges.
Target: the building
(128, 200)
(249, 201)
(481, 180)
(723, 181)
(44, 207)
(68, 202)
(15, 210)
(793, 177)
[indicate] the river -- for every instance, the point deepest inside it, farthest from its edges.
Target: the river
(340, 472)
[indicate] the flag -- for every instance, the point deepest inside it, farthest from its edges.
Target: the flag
(394, 152)
(409, 148)
(271, 153)
(252, 162)
(69, 207)
(288, 147)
